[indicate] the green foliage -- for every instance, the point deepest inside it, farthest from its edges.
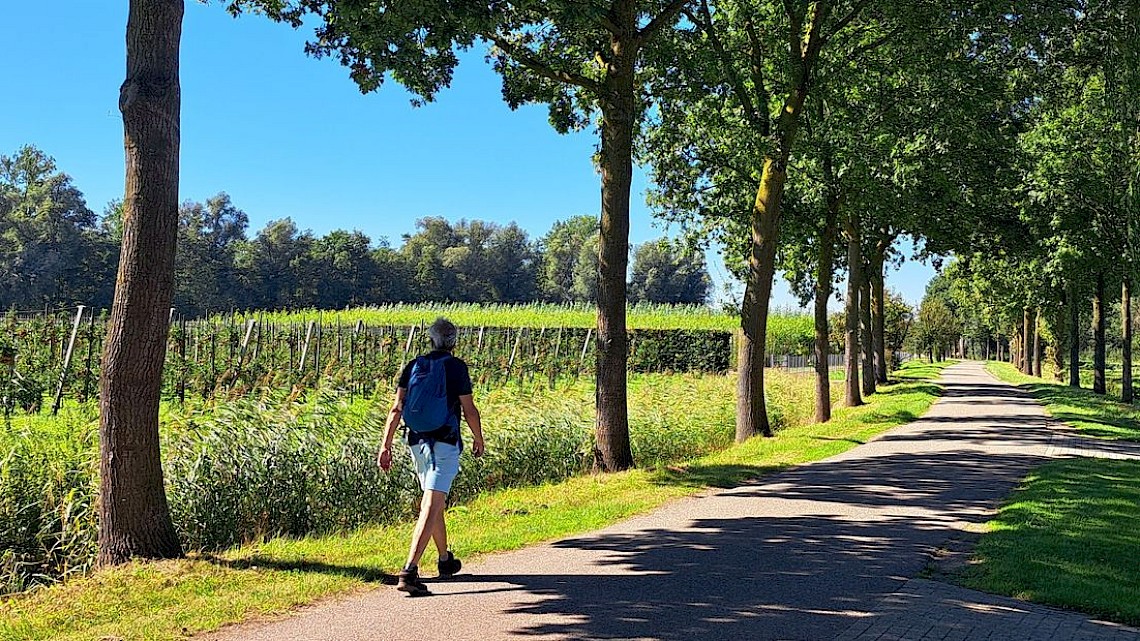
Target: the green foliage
(47, 239)
(679, 351)
(218, 268)
(640, 316)
(561, 251)
(790, 333)
(670, 273)
(936, 328)
(48, 487)
(898, 317)
(209, 236)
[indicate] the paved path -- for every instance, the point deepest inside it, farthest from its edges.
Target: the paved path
(822, 551)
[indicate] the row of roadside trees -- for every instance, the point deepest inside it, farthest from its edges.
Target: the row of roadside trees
(805, 135)
(1041, 290)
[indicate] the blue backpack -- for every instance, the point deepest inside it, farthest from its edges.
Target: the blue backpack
(425, 408)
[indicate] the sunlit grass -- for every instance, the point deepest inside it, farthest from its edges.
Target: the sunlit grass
(172, 599)
(641, 316)
(1068, 537)
(1092, 414)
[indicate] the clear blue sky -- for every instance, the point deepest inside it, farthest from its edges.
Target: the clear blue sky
(290, 136)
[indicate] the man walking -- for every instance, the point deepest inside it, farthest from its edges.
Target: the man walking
(433, 392)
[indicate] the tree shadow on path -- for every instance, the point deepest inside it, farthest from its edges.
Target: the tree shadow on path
(802, 556)
(805, 552)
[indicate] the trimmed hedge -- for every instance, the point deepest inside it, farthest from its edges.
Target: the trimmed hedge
(680, 350)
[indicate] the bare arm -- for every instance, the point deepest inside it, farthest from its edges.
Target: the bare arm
(384, 458)
(474, 421)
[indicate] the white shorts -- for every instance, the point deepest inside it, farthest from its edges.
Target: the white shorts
(440, 475)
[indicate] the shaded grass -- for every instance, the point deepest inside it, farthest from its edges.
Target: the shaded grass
(1091, 414)
(1068, 537)
(169, 600)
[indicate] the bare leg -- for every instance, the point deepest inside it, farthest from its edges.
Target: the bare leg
(439, 534)
(431, 520)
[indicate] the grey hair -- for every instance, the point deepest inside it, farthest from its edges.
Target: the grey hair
(443, 334)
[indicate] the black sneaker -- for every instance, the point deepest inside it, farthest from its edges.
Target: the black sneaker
(450, 565)
(409, 581)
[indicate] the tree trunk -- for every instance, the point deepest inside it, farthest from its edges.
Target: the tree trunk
(865, 347)
(751, 413)
(1126, 336)
(751, 409)
(851, 331)
(878, 320)
(1057, 350)
(824, 271)
(1026, 343)
(1098, 336)
(134, 518)
(1074, 339)
(619, 116)
(1015, 347)
(1037, 345)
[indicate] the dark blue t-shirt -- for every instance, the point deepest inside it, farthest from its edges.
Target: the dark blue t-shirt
(457, 376)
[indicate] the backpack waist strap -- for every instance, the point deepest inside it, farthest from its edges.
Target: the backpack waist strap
(447, 434)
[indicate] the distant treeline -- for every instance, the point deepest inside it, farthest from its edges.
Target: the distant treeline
(55, 251)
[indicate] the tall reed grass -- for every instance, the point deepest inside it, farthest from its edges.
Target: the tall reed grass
(251, 468)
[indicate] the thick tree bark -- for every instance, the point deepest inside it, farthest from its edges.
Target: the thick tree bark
(851, 330)
(866, 348)
(824, 272)
(1037, 344)
(1126, 340)
(1074, 339)
(134, 518)
(751, 409)
(878, 316)
(1098, 336)
(619, 117)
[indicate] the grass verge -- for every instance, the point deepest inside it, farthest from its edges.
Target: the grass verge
(170, 600)
(1068, 537)
(1091, 414)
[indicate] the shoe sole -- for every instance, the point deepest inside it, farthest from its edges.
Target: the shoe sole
(414, 590)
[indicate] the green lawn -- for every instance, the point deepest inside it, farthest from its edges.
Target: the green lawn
(169, 600)
(1068, 537)
(1093, 414)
